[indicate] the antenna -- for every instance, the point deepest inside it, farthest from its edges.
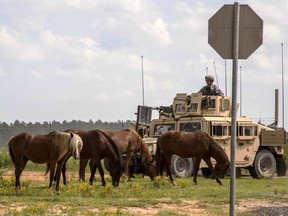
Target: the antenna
(276, 107)
(225, 78)
(283, 110)
(142, 81)
(240, 91)
(206, 71)
(216, 74)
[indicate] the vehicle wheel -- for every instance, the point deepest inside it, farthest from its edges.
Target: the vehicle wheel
(107, 164)
(281, 166)
(181, 167)
(206, 172)
(264, 165)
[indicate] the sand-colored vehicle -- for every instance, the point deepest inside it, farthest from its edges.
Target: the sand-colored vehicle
(259, 148)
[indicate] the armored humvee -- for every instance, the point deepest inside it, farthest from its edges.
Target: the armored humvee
(259, 149)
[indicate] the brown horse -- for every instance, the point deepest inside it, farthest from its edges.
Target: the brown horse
(53, 148)
(191, 144)
(129, 142)
(97, 145)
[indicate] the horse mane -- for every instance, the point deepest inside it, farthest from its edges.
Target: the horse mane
(216, 150)
(145, 154)
(61, 141)
(114, 146)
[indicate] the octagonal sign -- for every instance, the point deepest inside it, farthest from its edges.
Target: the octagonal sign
(220, 35)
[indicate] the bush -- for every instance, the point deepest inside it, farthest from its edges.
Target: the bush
(5, 160)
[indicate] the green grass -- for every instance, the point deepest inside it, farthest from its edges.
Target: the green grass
(79, 198)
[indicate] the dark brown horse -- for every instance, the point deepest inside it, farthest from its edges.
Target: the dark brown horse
(191, 144)
(97, 145)
(53, 148)
(129, 142)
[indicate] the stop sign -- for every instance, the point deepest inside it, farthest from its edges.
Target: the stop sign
(220, 35)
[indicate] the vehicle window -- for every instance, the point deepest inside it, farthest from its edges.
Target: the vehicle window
(160, 129)
(255, 131)
(190, 126)
(240, 131)
(220, 130)
(248, 130)
(217, 130)
(180, 108)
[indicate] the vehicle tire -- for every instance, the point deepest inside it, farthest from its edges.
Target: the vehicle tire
(264, 165)
(206, 172)
(181, 167)
(107, 164)
(281, 166)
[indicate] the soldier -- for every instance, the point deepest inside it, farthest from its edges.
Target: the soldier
(210, 89)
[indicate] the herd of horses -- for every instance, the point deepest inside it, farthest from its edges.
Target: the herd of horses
(55, 148)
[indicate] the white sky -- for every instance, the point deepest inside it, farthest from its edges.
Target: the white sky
(81, 59)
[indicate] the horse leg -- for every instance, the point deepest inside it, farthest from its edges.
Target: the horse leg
(161, 164)
(60, 166)
(93, 170)
(167, 160)
(19, 167)
(101, 174)
(127, 165)
(196, 169)
(209, 163)
(17, 176)
(91, 164)
(82, 166)
(64, 173)
(52, 170)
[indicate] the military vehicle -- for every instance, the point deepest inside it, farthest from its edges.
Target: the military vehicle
(259, 148)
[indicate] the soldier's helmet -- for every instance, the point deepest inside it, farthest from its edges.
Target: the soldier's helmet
(209, 77)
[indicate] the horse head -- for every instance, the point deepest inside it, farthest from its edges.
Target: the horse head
(220, 170)
(151, 169)
(76, 145)
(116, 171)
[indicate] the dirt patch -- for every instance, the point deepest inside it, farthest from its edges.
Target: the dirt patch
(186, 207)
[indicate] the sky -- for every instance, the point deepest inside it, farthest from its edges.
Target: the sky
(81, 59)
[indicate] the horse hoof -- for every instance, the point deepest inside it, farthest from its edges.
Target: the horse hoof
(58, 192)
(174, 183)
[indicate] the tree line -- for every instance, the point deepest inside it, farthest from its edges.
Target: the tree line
(9, 130)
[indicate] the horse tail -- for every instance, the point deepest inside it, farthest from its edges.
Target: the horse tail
(11, 151)
(159, 157)
(47, 168)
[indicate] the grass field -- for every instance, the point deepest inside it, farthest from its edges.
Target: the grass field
(139, 197)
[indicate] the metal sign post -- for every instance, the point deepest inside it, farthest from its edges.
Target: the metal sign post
(235, 32)
(236, 13)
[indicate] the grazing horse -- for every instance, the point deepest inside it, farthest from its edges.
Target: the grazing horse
(129, 142)
(97, 145)
(53, 148)
(191, 144)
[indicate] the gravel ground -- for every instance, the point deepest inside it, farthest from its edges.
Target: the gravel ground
(270, 211)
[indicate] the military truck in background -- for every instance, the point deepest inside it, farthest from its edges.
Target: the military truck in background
(259, 148)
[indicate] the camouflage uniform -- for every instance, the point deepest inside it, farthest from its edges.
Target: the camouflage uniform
(212, 89)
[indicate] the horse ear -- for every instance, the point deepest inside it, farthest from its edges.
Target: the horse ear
(72, 134)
